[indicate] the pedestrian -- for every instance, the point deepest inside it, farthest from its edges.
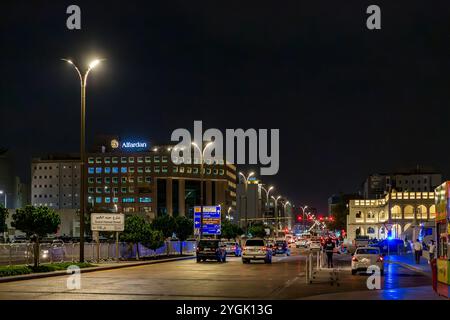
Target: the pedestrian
(417, 250)
(431, 250)
(329, 248)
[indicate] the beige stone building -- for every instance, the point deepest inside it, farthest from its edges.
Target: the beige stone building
(402, 213)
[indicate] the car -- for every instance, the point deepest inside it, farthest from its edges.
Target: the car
(233, 248)
(211, 249)
(256, 249)
(390, 245)
(365, 257)
(314, 245)
(281, 247)
(301, 243)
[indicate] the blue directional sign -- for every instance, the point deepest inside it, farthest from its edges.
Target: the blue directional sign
(211, 220)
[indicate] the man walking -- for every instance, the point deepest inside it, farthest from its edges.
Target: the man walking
(431, 250)
(329, 248)
(417, 250)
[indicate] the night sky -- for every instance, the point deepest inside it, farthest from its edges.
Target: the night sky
(348, 101)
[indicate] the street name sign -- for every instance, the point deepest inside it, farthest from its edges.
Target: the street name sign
(107, 222)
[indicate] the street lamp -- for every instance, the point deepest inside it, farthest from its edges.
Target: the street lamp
(275, 207)
(202, 154)
(303, 214)
(246, 197)
(83, 82)
(267, 191)
(284, 208)
(5, 201)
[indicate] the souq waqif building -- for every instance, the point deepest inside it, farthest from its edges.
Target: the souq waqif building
(135, 177)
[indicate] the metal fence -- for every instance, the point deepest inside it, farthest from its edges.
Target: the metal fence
(23, 253)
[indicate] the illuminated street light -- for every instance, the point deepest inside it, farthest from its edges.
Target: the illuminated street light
(83, 83)
(5, 201)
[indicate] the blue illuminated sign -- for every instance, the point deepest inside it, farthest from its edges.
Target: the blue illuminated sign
(133, 145)
(211, 220)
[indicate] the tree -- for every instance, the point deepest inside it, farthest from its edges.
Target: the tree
(138, 230)
(184, 227)
(36, 222)
(166, 224)
(230, 230)
(258, 230)
(3, 216)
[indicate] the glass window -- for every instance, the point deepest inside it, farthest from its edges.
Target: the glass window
(91, 180)
(124, 189)
(123, 169)
(130, 189)
(140, 179)
(131, 169)
(107, 170)
(148, 179)
(156, 169)
(107, 180)
(107, 200)
(115, 180)
(91, 170)
(116, 190)
(216, 171)
(175, 169)
(90, 160)
(98, 160)
(208, 171)
(145, 200)
(156, 159)
(124, 179)
(131, 179)
(116, 200)
(115, 160)
(130, 159)
(148, 159)
(107, 160)
(98, 199)
(128, 200)
(221, 172)
(195, 170)
(123, 160)
(107, 190)
(115, 170)
(181, 169)
(148, 169)
(188, 170)
(98, 180)
(164, 158)
(98, 170)
(98, 190)
(164, 169)
(90, 190)
(140, 159)
(140, 170)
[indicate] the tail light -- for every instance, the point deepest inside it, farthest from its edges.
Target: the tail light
(233, 248)
(198, 249)
(354, 259)
(380, 259)
(264, 248)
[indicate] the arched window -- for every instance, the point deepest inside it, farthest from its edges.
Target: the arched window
(433, 212)
(370, 230)
(396, 212)
(422, 212)
(409, 212)
(381, 216)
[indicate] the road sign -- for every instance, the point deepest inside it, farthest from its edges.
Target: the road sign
(107, 222)
(211, 220)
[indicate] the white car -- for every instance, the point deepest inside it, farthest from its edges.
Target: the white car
(314, 245)
(301, 243)
(365, 257)
(256, 249)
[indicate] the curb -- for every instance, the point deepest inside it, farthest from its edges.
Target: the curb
(86, 270)
(408, 266)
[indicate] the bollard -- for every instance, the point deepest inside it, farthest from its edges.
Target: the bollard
(10, 254)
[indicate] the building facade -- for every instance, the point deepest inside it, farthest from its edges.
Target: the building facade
(401, 213)
(376, 186)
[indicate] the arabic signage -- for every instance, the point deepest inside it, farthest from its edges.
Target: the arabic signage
(107, 222)
(211, 220)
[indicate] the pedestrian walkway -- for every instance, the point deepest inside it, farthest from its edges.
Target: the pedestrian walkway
(414, 293)
(409, 262)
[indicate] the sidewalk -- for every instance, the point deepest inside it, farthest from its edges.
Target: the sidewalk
(409, 262)
(98, 267)
(414, 293)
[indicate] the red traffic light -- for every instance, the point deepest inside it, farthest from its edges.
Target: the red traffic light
(321, 218)
(299, 218)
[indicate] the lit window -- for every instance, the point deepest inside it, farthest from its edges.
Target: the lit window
(91, 170)
(123, 169)
(107, 160)
(140, 170)
(140, 159)
(164, 158)
(140, 179)
(115, 180)
(98, 160)
(145, 200)
(98, 199)
(98, 170)
(123, 160)
(107, 180)
(148, 159)
(131, 169)
(124, 179)
(148, 179)
(164, 169)
(107, 170)
(107, 200)
(148, 169)
(124, 189)
(90, 160)
(115, 200)
(91, 180)
(156, 159)
(128, 200)
(115, 170)
(156, 169)
(175, 169)
(115, 160)
(131, 159)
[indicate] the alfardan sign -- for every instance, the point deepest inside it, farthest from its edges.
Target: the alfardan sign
(129, 145)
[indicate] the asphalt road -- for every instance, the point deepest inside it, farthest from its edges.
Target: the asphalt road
(283, 279)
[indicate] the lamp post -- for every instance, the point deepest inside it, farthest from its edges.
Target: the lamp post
(275, 207)
(267, 191)
(303, 215)
(202, 154)
(83, 82)
(246, 197)
(284, 208)
(5, 200)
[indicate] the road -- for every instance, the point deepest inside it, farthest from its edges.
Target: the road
(187, 279)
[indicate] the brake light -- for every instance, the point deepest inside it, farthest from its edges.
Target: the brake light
(380, 259)
(354, 259)
(233, 248)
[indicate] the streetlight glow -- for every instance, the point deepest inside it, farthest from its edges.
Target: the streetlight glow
(93, 64)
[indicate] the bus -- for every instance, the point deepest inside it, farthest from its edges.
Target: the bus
(442, 200)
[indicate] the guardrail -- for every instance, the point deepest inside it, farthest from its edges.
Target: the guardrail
(23, 253)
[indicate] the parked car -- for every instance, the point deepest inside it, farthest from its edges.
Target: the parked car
(211, 249)
(301, 243)
(365, 257)
(256, 249)
(281, 247)
(233, 248)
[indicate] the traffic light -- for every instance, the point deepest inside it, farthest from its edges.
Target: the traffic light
(299, 218)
